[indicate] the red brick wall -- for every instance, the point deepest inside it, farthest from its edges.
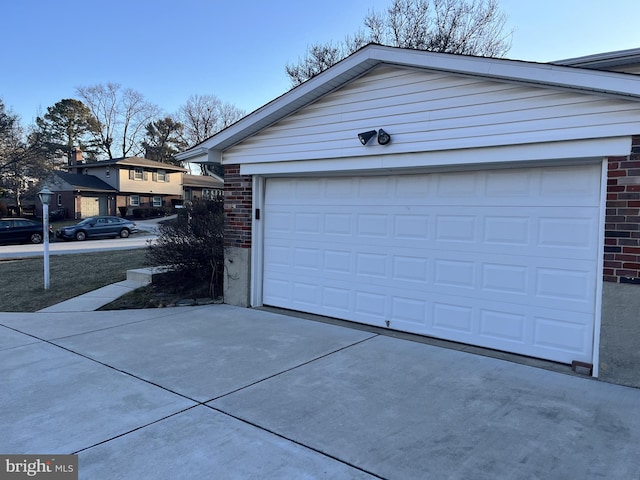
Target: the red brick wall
(622, 221)
(237, 207)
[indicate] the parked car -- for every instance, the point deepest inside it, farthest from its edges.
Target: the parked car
(97, 227)
(20, 230)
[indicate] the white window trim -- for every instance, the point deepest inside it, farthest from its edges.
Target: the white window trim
(159, 201)
(134, 200)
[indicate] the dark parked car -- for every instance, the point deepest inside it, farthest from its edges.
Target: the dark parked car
(97, 227)
(20, 230)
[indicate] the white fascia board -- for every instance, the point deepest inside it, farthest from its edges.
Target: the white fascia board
(612, 83)
(535, 152)
(194, 154)
(606, 59)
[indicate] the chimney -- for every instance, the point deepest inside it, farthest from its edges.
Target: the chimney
(75, 159)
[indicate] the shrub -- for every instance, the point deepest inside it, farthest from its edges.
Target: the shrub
(146, 212)
(192, 245)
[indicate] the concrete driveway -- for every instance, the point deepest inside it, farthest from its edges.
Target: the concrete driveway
(224, 392)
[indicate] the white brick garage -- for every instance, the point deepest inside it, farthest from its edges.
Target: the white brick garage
(505, 259)
(507, 168)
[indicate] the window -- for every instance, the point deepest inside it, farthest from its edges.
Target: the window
(208, 194)
(108, 172)
(162, 176)
(157, 201)
(211, 194)
(138, 174)
(59, 199)
(134, 200)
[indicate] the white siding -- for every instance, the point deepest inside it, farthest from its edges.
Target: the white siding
(425, 111)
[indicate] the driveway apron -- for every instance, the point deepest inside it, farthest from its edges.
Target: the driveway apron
(226, 392)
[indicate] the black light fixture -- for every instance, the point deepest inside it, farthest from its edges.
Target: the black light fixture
(364, 137)
(383, 137)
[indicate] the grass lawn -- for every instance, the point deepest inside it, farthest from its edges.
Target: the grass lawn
(22, 281)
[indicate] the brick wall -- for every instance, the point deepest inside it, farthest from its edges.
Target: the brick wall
(237, 208)
(622, 221)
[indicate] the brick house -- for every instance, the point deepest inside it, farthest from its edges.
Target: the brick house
(202, 186)
(79, 196)
(110, 187)
(484, 201)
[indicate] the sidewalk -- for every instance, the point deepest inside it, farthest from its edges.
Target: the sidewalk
(95, 299)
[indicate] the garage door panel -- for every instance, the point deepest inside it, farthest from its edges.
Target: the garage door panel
(523, 187)
(503, 259)
(572, 233)
(560, 283)
(538, 332)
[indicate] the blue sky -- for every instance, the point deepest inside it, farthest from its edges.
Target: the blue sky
(237, 50)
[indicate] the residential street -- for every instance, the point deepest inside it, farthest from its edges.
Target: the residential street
(147, 230)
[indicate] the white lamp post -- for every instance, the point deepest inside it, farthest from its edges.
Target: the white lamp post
(45, 197)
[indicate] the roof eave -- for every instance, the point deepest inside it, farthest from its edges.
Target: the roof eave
(605, 60)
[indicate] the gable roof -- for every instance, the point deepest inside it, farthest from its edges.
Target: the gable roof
(84, 182)
(133, 162)
(620, 60)
(202, 181)
(359, 63)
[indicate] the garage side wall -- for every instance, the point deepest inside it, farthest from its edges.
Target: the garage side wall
(238, 199)
(620, 330)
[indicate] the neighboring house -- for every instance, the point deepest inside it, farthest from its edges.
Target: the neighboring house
(504, 212)
(135, 182)
(80, 196)
(202, 186)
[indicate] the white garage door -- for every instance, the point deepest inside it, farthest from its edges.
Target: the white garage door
(505, 259)
(90, 206)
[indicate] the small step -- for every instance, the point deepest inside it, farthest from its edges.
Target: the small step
(145, 275)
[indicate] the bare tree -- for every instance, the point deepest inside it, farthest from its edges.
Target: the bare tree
(136, 113)
(102, 100)
(21, 165)
(319, 57)
(229, 114)
(470, 27)
(123, 115)
(205, 115)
